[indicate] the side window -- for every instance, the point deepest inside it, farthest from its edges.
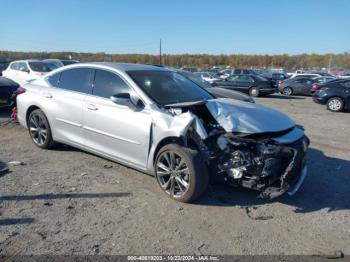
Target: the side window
(245, 78)
(237, 71)
(22, 66)
(76, 79)
(14, 66)
(233, 78)
(53, 80)
(107, 84)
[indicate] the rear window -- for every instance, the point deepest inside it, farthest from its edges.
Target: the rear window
(77, 79)
(42, 66)
(53, 80)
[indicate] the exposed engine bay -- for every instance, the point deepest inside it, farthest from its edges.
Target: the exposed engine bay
(270, 161)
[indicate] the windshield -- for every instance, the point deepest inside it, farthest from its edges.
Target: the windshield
(42, 66)
(196, 78)
(166, 87)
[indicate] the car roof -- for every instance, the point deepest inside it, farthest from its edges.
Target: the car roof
(126, 66)
(26, 60)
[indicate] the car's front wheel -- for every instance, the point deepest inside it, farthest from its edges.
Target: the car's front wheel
(39, 129)
(335, 104)
(254, 91)
(181, 172)
(287, 91)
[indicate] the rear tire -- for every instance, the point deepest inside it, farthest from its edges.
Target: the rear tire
(254, 92)
(181, 172)
(335, 104)
(39, 130)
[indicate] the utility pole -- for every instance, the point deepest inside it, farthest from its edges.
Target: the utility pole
(160, 52)
(330, 63)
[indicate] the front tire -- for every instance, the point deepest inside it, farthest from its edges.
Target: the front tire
(335, 104)
(181, 172)
(39, 129)
(254, 92)
(287, 91)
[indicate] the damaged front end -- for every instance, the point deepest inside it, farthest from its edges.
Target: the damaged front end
(249, 145)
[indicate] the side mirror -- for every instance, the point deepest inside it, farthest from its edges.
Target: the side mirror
(127, 100)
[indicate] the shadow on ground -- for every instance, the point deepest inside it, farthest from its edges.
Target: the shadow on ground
(16, 221)
(277, 96)
(325, 187)
(62, 196)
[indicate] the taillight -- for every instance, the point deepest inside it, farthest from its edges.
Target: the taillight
(279, 82)
(20, 90)
(315, 87)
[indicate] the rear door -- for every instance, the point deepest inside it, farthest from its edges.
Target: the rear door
(64, 101)
(112, 129)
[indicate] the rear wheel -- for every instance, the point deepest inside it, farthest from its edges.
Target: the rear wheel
(39, 129)
(335, 104)
(254, 91)
(287, 91)
(181, 172)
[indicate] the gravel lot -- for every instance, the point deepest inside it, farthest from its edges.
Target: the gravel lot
(65, 201)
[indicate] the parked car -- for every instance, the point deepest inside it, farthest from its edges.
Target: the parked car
(296, 86)
(254, 85)
(7, 93)
(323, 79)
(276, 78)
(304, 76)
(24, 71)
(206, 76)
(218, 92)
(334, 94)
(158, 121)
(61, 62)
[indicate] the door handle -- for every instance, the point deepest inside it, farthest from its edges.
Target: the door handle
(92, 107)
(48, 95)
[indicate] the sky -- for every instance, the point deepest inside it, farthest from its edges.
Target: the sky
(185, 26)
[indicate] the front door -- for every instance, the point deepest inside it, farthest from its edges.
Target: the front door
(114, 130)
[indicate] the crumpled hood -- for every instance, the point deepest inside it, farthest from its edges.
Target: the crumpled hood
(249, 118)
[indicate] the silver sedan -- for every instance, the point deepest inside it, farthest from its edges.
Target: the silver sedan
(159, 122)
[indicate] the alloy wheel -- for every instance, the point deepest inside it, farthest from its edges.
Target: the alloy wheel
(335, 104)
(37, 129)
(287, 91)
(173, 174)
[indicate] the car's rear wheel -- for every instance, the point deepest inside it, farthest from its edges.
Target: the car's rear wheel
(254, 91)
(287, 91)
(39, 129)
(181, 172)
(335, 104)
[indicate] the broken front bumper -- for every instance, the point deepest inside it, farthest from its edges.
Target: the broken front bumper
(294, 176)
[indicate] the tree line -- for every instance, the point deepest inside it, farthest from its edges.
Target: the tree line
(198, 60)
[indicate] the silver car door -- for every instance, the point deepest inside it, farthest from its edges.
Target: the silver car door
(65, 103)
(114, 130)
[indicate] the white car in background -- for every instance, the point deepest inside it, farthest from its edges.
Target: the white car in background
(304, 75)
(24, 71)
(207, 77)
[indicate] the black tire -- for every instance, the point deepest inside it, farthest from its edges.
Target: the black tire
(335, 104)
(254, 92)
(197, 172)
(287, 91)
(42, 125)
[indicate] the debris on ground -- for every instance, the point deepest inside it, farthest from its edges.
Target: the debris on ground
(84, 174)
(331, 255)
(48, 204)
(16, 163)
(107, 166)
(250, 211)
